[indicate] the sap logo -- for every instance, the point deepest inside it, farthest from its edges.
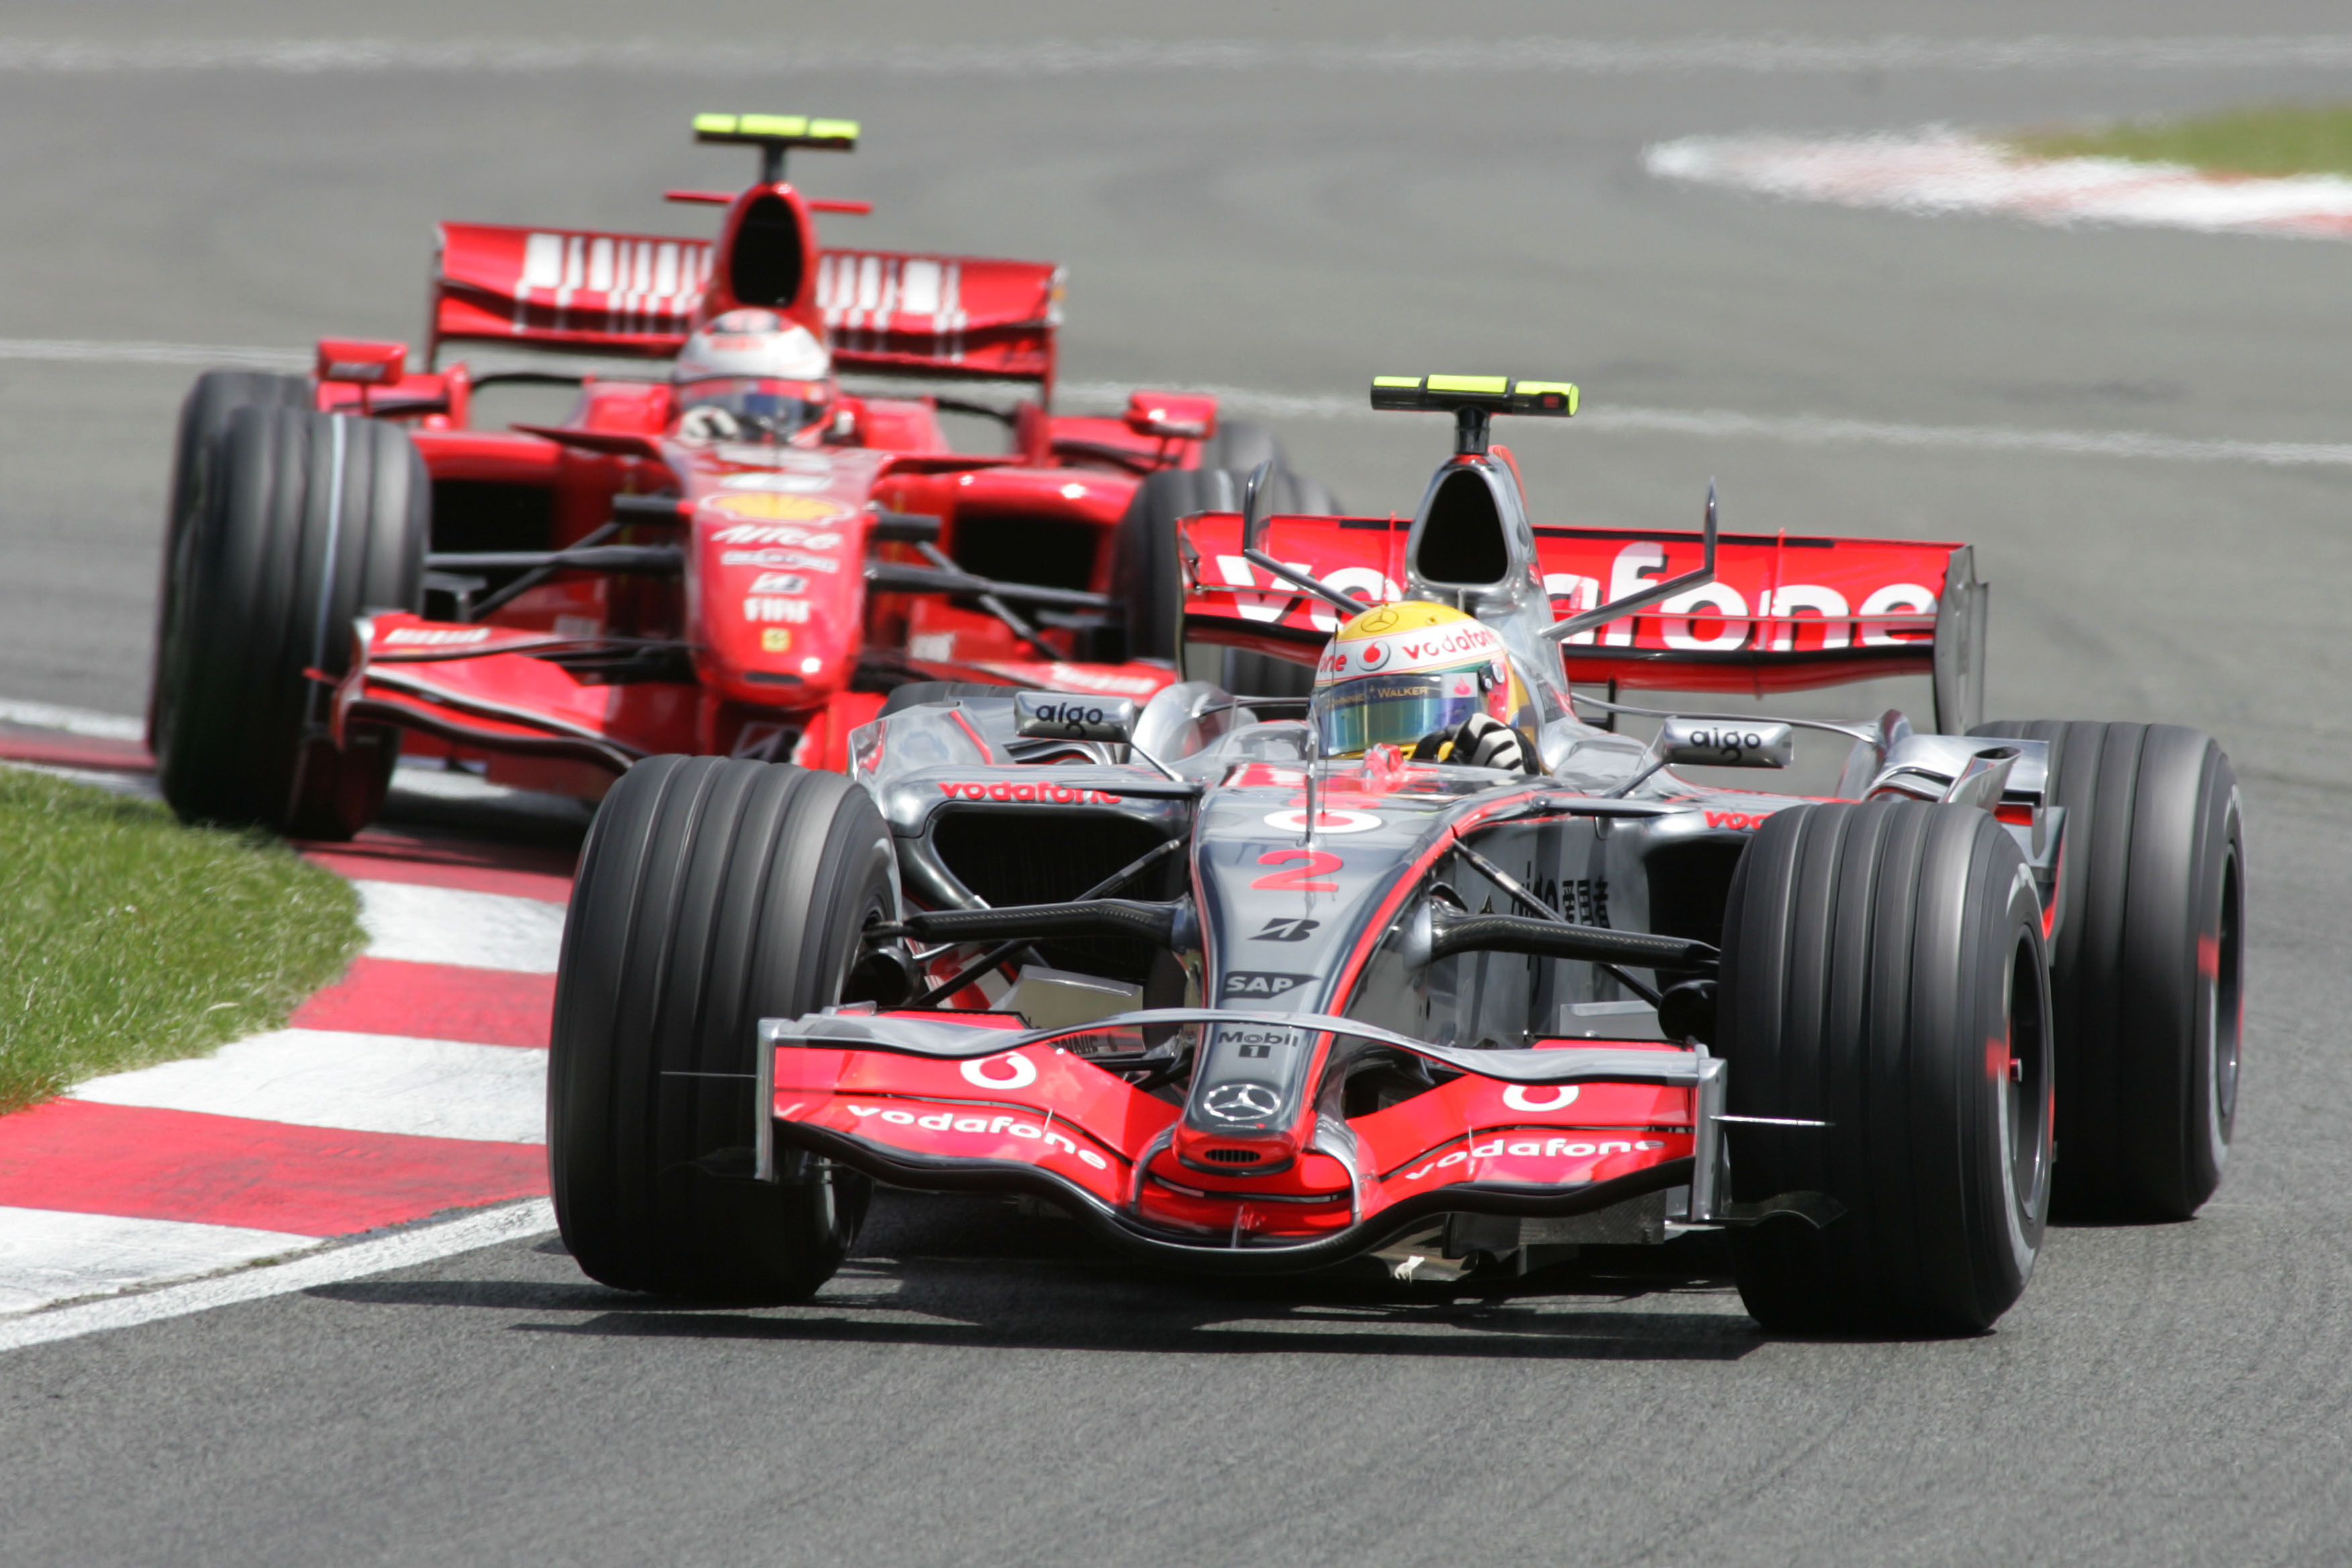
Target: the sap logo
(433, 636)
(793, 558)
(795, 611)
(1739, 821)
(1539, 1148)
(1028, 794)
(1000, 1126)
(780, 583)
(1286, 931)
(1262, 982)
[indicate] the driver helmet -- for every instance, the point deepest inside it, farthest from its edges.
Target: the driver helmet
(752, 375)
(1409, 676)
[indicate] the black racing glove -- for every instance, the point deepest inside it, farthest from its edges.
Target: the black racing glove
(1481, 740)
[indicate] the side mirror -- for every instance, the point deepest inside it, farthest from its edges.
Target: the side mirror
(1062, 716)
(1172, 416)
(1724, 743)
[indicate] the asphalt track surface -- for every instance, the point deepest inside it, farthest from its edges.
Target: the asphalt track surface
(981, 1388)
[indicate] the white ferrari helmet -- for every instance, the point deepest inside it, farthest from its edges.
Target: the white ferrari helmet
(751, 376)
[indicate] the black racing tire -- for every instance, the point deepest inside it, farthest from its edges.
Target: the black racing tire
(275, 566)
(203, 419)
(1239, 446)
(1147, 578)
(1884, 971)
(1149, 584)
(1313, 498)
(712, 893)
(915, 693)
(2148, 967)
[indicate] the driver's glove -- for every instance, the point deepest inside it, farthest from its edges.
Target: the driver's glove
(1481, 740)
(708, 422)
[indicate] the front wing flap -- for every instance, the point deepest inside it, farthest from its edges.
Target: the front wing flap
(930, 1102)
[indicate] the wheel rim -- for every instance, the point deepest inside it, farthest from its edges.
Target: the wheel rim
(2226, 1007)
(2025, 1088)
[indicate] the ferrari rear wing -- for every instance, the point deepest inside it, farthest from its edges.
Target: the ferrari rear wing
(1784, 612)
(892, 312)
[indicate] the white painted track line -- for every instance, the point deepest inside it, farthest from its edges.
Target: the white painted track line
(1749, 55)
(448, 925)
(366, 1083)
(404, 1249)
(46, 1255)
(74, 720)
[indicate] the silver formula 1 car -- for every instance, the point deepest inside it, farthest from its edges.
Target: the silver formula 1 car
(1428, 965)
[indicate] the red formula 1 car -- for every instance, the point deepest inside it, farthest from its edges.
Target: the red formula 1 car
(1443, 973)
(734, 556)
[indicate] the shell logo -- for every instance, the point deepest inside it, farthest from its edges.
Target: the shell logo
(764, 506)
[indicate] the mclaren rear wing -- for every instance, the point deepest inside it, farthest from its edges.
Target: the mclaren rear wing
(1784, 612)
(584, 291)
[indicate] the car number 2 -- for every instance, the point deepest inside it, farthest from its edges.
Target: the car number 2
(1298, 879)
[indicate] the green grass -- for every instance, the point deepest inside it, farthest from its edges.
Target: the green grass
(126, 939)
(2267, 139)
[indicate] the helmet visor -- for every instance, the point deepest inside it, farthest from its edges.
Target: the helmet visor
(764, 408)
(1351, 716)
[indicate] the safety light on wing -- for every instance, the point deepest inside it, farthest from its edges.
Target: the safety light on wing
(774, 134)
(1493, 394)
(776, 129)
(1472, 400)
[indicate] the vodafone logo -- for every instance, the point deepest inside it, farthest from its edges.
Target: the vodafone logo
(1519, 1096)
(1029, 794)
(1740, 821)
(1020, 1071)
(1373, 657)
(1537, 1148)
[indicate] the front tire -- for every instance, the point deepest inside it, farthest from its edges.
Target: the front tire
(2149, 963)
(1882, 971)
(712, 893)
(276, 564)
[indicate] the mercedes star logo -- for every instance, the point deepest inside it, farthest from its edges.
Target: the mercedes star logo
(1241, 1102)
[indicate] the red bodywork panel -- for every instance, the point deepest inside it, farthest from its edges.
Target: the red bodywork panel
(1043, 1108)
(768, 630)
(1784, 612)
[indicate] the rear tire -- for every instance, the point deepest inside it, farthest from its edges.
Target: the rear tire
(712, 893)
(273, 569)
(203, 419)
(1149, 584)
(2149, 963)
(1883, 969)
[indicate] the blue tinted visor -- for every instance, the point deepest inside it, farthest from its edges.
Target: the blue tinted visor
(1351, 717)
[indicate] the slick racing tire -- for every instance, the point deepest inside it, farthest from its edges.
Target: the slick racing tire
(1884, 973)
(2148, 967)
(278, 561)
(203, 419)
(712, 893)
(1239, 446)
(1149, 584)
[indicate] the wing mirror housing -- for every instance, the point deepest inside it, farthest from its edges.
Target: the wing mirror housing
(1726, 744)
(1072, 716)
(1172, 415)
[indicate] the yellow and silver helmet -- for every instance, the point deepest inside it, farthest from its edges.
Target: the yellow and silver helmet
(1409, 676)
